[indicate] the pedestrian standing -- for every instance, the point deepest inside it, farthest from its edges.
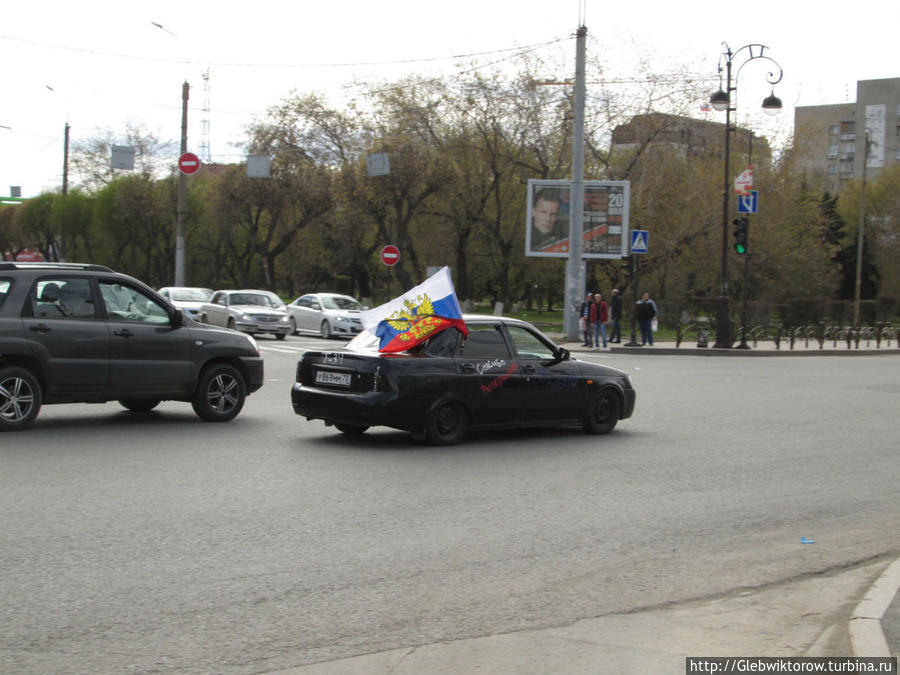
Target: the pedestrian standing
(599, 317)
(645, 312)
(584, 313)
(615, 311)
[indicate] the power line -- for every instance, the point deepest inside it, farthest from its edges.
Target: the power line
(157, 59)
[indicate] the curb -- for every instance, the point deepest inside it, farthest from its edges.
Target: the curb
(866, 633)
(700, 351)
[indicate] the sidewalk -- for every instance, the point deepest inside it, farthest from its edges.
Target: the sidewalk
(816, 616)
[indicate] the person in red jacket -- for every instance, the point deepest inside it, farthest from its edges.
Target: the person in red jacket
(599, 317)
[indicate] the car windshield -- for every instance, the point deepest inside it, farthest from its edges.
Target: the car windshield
(191, 295)
(250, 299)
(340, 302)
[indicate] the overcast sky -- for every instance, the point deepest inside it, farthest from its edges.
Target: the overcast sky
(101, 65)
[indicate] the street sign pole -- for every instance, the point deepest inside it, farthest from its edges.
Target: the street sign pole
(181, 208)
(634, 299)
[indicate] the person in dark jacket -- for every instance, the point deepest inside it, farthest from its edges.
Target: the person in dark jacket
(585, 313)
(644, 313)
(615, 311)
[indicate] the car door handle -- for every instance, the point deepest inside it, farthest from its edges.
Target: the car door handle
(123, 333)
(467, 368)
(529, 369)
(39, 328)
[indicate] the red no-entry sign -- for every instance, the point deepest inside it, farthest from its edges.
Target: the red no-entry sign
(390, 255)
(188, 163)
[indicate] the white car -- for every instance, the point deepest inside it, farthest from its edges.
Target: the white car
(325, 314)
(253, 312)
(187, 298)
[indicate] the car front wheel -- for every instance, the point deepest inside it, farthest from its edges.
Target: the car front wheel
(293, 326)
(20, 398)
(220, 393)
(140, 404)
(325, 329)
(447, 424)
(602, 413)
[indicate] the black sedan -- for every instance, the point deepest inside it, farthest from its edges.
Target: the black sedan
(505, 373)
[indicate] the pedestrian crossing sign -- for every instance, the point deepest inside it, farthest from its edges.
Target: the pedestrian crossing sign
(640, 239)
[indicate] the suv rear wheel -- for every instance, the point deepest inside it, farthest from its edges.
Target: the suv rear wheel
(20, 398)
(220, 393)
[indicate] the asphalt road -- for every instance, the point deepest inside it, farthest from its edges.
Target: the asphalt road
(160, 543)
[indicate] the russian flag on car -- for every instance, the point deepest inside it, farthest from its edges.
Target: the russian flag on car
(416, 315)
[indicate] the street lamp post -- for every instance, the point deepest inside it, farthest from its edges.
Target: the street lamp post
(723, 100)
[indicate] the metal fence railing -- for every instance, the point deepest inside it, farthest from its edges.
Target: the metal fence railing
(812, 335)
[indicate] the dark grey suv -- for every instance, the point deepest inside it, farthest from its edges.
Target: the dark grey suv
(83, 333)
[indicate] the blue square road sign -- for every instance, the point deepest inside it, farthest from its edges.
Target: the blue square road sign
(748, 203)
(640, 240)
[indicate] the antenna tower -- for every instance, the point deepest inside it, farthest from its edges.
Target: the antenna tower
(205, 153)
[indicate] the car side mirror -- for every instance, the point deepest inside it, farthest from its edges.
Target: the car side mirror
(177, 318)
(563, 354)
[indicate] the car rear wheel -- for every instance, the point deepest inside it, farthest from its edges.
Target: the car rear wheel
(602, 413)
(350, 429)
(447, 424)
(220, 393)
(140, 404)
(325, 329)
(20, 398)
(231, 323)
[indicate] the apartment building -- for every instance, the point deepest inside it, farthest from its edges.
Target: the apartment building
(830, 140)
(691, 137)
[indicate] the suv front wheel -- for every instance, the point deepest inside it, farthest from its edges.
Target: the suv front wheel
(20, 398)
(220, 393)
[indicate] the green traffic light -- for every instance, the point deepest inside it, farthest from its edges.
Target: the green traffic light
(740, 248)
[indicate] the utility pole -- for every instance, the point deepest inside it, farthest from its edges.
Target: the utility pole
(857, 292)
(182, 192)
(65, 185)
(574, 263)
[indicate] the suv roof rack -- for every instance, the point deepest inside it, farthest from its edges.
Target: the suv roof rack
(53, 266)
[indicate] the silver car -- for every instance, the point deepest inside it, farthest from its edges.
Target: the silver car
(325, 314)
(250, 311)
(189, 299)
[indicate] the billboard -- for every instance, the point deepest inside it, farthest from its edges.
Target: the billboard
(604, 221)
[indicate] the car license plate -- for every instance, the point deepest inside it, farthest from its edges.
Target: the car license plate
(329, 377)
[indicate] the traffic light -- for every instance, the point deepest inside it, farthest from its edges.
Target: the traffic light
(741, 235)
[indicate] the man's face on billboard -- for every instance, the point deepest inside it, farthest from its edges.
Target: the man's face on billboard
(545, 212)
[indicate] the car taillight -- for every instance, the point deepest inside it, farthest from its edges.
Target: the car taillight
(299, 376)
(379, 381)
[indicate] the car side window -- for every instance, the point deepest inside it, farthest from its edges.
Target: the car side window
(5, 285)
(530, 346)
(485, 341)
(124, 303)
(444, 343)
(62, 298)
